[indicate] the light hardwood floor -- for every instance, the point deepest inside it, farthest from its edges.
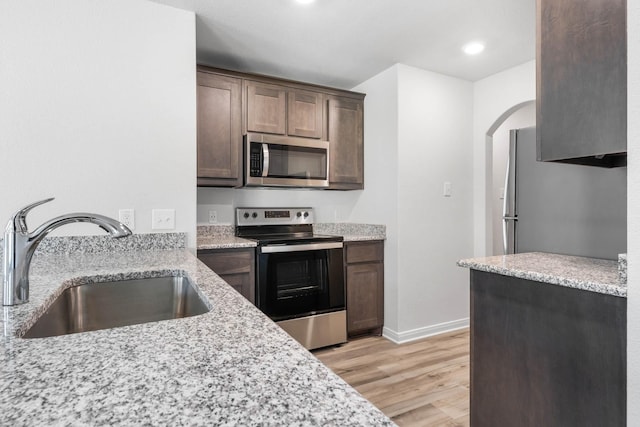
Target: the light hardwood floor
(421, 383)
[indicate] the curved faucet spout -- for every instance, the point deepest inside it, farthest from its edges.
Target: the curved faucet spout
(110, 225)
(20, 245)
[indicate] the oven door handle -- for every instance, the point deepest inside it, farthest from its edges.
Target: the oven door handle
(299, 248)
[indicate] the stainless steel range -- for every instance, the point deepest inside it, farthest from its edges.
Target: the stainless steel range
(299, 275)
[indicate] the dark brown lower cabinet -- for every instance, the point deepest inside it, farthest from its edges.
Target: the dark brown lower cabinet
(546, 355)
(364, 264)
(235, 266)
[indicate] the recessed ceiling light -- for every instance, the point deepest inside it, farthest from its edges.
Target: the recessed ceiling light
(305, 1)
(473, 48)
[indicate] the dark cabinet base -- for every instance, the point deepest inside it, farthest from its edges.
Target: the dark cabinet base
(234, 266)
(364, 273)
(545, 355)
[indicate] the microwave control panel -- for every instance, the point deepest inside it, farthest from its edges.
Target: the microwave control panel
(255, 160)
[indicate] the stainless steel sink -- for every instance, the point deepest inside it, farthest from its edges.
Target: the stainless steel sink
(107, 305)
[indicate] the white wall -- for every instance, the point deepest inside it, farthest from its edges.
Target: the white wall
(98, 110)
(435, 146)
(525, 117)
(378, 203)
(492, 97)
(633, 211)
(330, 206)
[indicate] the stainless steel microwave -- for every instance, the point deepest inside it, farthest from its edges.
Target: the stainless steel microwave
(282, 161)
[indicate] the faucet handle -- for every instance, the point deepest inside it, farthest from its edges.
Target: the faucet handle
(19, 219)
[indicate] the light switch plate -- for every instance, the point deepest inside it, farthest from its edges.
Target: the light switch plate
(163, 219)
(446, 191)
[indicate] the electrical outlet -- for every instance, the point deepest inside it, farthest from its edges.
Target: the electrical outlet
(127, 217)
(163, 219)
(213, 217)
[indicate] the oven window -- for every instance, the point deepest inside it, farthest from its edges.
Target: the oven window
(295, 284)
(297, 276)
(286, 161)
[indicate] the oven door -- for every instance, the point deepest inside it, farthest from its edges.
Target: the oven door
(280, 161)
(296, 280)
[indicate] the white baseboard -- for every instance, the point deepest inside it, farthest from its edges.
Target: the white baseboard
(424, 332)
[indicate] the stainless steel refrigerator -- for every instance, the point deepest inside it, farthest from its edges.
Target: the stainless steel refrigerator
(562, 208)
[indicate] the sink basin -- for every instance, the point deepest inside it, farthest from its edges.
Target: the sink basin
(107, 305)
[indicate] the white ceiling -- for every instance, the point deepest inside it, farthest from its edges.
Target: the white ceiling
(344, 42)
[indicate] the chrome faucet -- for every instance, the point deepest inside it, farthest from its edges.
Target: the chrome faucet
(20, 244)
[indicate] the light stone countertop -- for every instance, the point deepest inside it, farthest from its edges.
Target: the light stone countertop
(589, 274)
(223, 237)
(224, 242)
(230, 366)
(352, 232)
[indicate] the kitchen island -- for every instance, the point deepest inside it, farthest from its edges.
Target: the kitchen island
(548, 341)
(230, 366)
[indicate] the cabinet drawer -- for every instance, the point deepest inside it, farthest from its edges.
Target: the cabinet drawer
(228, 262)
(364, 252)
(234, 266)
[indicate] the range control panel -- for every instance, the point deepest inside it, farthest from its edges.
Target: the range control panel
(273, 216)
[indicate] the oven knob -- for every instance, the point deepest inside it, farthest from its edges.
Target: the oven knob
(254, 215)
(306, 214)
(299, 214)
(246, 215)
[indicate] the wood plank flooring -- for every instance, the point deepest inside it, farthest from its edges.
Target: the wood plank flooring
(421, 383)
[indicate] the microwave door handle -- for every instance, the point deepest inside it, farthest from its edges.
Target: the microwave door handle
(265, 160)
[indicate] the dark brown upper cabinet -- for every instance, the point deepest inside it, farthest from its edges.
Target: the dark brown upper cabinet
(266, 108)
(304, 116)
(345, 119)
(582, 82)
(219, 130)
(231, 103)
(283, 111)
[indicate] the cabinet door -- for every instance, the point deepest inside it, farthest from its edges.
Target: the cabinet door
(304, 114)
(345, 131)
(234, 266)
(582, 81)
(546, 355)
(266, 108)
(365, 305)
(219, 130)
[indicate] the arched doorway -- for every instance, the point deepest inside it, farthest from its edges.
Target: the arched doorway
(497, 139)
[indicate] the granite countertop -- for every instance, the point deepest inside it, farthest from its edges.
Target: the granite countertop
(223, 236)
(224, 242)
(230, 366)
(589, 274)
(352, 232)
